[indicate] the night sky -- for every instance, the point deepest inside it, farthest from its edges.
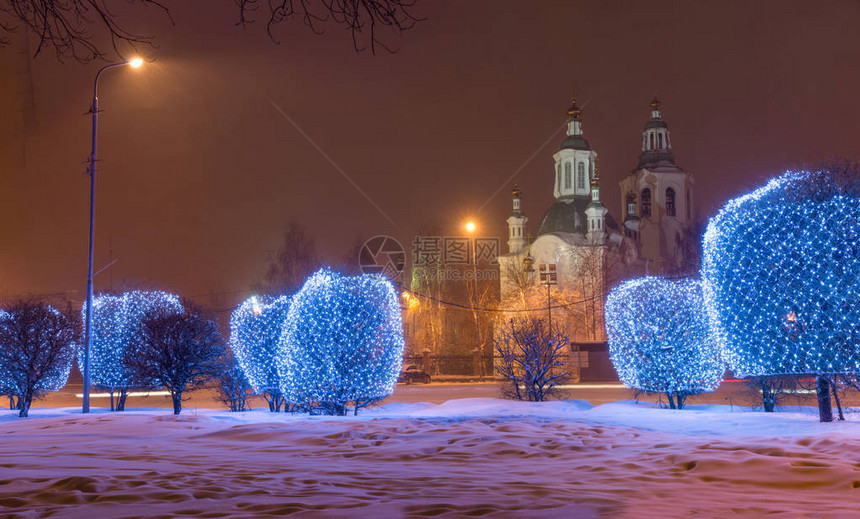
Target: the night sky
(200, 173)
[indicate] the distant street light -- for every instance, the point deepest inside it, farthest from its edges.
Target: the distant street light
(94, 109)
(470, 228)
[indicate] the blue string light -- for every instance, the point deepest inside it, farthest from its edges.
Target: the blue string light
(781, 273)
(659, 337)
(56, 373)
(255, 331)
(343, 342)
(115, 331)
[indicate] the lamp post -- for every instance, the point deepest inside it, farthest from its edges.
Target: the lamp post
(94, 110)
(479, 367)
(548, 277)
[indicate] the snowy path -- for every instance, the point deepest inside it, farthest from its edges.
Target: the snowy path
(476, 457)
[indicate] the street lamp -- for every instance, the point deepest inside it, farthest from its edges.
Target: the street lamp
(470, 228)
(94, 110)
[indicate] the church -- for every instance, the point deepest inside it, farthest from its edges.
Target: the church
(579, 250)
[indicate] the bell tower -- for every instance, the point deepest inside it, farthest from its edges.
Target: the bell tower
(574, 162)
(657, 197)
(517, 224)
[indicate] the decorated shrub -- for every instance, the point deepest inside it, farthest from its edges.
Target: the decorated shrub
(255, 331)
(115, 331)
(342, 343)
(781, 272)
(659, 338)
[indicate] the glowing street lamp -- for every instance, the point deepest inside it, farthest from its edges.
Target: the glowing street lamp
(94, 110)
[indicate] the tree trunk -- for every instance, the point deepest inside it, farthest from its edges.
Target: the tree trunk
(681, 398)
(24, 402)
(11, 402)
(671, 401)
(836, 397)
(112, 407)
(123, 394)
(768, 394)
(822, 388)
(177, 402)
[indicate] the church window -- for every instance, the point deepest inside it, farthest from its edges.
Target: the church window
(652, 142)
(558, 176)
(580, 175)
(548, 274)
(660, 140)
(645, 203)
(568, 176)
(670, 201)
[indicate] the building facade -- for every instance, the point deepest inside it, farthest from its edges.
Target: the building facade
(579, 249)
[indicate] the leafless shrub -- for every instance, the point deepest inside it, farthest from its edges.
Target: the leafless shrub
(532, 360)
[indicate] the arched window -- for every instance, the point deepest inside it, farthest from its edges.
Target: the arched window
(580, 175)
(568, 176)
(660, 140)
(670, 201)
(645, 203)
(652, 142)
(558, 176)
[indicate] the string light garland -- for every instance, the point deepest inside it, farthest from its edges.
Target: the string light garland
(343, 342)
(7, 382)
(52, 374)
(255, 332)
(659, 337)
(115, 332)
(781, 273)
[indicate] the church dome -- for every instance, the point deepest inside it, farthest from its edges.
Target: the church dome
(656, 159)
(656, 123)
(575, 142)
(568, 215)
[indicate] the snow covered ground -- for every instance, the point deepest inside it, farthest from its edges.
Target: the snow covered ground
(467, 457)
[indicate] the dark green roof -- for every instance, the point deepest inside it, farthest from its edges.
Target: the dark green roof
(653, 159)
(568, 215)
(575, 142)
(655, 123)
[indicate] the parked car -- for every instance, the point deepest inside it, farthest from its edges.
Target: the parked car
(413, 374)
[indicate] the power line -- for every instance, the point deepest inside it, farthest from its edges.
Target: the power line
(523, 310)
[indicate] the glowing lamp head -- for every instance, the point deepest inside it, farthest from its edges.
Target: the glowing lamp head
(135, 62)
(470, 226)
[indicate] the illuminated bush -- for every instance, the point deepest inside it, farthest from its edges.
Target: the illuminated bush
(37, 347)
(343, 342)
(255, 332)
(659, 338)
(115, 332)
(780, 272)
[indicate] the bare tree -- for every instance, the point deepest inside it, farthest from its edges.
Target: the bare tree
(427, 281)
(483, 298)
(233, 387)
(296, 259)
(80, 29)
(37, 345)
(532, 357)
(362, 18)
(179, 352)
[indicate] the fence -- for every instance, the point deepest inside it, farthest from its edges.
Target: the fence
(590, 362)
